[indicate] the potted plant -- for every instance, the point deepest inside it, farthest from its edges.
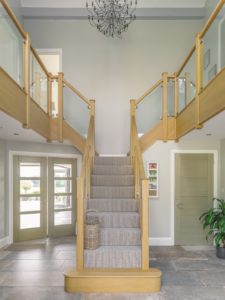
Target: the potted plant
(214, 220)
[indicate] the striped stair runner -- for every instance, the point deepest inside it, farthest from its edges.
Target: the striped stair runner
(112, 195)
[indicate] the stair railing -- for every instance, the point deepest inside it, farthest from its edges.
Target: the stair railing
(141, 187)
(84, 186)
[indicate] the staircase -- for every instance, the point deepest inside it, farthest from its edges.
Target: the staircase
(116, 266)
(112, 196)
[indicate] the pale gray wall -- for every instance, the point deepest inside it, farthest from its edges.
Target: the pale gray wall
(2, 188)
(16, 6)
(112, 70)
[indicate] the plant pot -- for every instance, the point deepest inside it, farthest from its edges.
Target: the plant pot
(220, 252)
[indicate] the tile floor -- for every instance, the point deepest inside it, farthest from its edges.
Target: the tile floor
(34, 270)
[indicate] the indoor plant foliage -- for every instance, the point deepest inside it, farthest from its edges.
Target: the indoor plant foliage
(214, 220)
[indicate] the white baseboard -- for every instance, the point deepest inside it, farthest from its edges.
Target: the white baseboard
(113, 155)
(164, 241)
(4, 242)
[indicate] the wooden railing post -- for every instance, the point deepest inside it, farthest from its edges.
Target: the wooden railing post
(92, 114)
(176, 95)
(50, 95)
(132, 114)
(199, 78)
(60, 107)
(165, 106)
(26, 62)
(80, 224)
(144, 225)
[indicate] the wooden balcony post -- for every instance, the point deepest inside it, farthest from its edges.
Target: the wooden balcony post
(176, 95)
(50, 95)
(26, 67)
(165, 106)
(80, 224)
(60, 107)
(144, 226)
(199, 78)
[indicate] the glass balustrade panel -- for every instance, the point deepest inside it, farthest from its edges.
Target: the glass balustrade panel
(170, 87)
(187, 83)
(11, 48)
(214, 48)
(76, 111)
(149, 111)
(38, 83)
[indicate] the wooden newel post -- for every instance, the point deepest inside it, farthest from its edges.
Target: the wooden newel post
(176, 95)
(199, 78)
(60, 107)
(80, 224)
(144, 225)
(26, 67)
(92, 114)
(165, 105)
(132, 115)
(50, 95)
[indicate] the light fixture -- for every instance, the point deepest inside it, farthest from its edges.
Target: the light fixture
(111, 17)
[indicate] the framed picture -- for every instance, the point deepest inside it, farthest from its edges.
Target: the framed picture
(206, 59)
(153, 177)
(212, 72)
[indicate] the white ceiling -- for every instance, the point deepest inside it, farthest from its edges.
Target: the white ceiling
(141, 3)
(214, 128)
(146, 9)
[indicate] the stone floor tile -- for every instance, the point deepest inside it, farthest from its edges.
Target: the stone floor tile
(36, 293)
(212, 279)
(180, 278)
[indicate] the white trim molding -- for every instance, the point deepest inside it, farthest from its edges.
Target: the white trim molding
(4, 242)
(160, 241)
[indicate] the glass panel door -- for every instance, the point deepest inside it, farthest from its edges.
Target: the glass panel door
(30, 198)
(62, 185)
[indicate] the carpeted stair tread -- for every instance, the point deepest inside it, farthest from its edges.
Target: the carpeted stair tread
(112, 170)
(112, 192)
(112, 180)
(113, 205)
(120, 237)
(119, 219)
(121, 160)
(113, 257)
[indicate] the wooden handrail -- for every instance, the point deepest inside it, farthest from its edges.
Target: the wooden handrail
(69, 85)
(212, 18)
(149, 91)
(13, 18)
(186, 61)
(39, 61)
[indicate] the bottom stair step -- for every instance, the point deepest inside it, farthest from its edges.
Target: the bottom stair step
(113, 281)
(113, 257)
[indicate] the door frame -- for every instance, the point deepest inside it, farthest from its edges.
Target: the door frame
(10, 182)
(215, 180)
(52, 51)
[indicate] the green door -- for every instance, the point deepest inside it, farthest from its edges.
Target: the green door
(30, 198)
(61, 193)
(193, 196)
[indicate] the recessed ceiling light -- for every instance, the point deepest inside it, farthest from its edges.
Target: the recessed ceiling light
(208, 134)
(1, 127)
(16, 133)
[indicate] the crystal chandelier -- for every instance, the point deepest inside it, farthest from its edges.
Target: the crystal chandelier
(111, 17)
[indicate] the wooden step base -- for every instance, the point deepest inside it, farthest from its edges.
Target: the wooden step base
(113, 281)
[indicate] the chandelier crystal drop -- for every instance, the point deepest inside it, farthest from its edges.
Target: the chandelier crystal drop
(111, 17)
